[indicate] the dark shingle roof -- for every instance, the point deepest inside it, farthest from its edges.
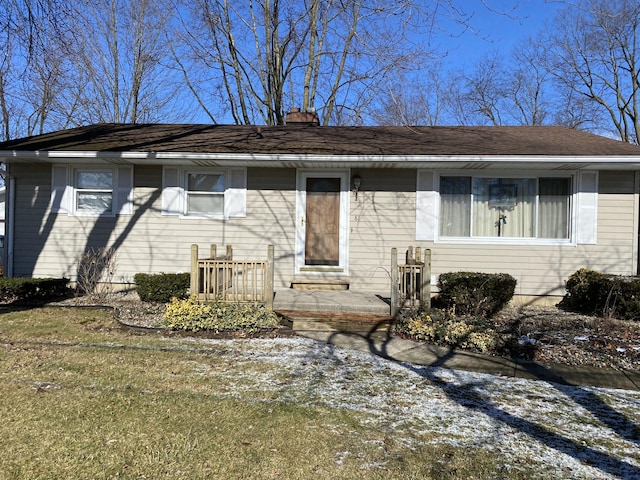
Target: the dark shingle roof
(305, 139)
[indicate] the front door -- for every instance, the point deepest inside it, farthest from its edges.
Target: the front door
(322, 217)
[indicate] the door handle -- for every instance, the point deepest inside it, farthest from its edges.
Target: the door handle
(302, 221)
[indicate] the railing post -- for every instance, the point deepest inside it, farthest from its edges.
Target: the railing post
(229, 252)
(425, 284)
(394, 283)
(195, 271)
(213, 251)
(268, 284)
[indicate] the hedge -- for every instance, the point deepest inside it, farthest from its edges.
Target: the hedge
(162, 287)
(32, 289)
(476, 294)
(598, 293)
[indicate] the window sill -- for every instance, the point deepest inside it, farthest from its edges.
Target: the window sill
(92, 214)
(549, 242)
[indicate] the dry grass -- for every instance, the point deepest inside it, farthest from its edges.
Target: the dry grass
(84, 399)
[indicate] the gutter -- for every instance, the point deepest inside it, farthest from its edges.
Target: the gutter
(310, 160)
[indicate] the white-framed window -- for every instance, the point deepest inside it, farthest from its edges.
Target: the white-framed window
(536, 208)
(204, 192)
(526, 207)
(92, 190)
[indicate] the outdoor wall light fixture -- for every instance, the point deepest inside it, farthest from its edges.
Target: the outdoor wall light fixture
(356, 181)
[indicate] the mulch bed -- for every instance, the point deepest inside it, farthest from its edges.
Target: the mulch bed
(542, 334)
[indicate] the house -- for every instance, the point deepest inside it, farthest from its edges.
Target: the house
(535, 202)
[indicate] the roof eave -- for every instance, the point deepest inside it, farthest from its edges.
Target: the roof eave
(317, 161)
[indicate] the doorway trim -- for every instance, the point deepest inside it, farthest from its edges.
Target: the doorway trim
(300, 222)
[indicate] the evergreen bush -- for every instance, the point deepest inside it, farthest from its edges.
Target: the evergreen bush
(443, 328)
(32, 289)
(162, 287)
(598, 293)
(475, 294)
(191, 315)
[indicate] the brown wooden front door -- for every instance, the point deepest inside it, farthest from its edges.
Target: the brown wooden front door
(322, 221)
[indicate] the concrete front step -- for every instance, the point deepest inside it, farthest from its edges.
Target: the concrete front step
(335, 322)
(330, 301)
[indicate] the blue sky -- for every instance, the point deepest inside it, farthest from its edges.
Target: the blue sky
(490, 31)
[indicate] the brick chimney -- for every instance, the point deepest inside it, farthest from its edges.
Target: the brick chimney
(296, 117)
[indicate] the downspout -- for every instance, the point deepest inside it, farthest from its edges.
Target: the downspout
(636, 224)
(9, 215)
(9, 226)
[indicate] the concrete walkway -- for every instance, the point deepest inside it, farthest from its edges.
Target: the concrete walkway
(370, 331)
(402, 350)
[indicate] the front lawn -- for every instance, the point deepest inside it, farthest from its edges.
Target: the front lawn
(84, 398)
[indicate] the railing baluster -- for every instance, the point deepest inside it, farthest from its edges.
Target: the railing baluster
(232, 280)
(412, 288)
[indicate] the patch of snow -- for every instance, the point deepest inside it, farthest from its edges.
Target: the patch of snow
(524, 340)
(570, 432)
(581, 338)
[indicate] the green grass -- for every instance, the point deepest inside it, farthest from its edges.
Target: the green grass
(82, 398)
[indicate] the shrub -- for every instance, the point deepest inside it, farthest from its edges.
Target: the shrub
(32, 289)
(443, 328)
(191, 315)
(476, 294)
(96, 269)
(162, 287)
(593, 292)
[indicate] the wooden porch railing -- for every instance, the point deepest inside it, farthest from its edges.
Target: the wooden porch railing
(411, 281)
(238, 281)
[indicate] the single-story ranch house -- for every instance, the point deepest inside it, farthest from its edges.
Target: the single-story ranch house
(535, 202)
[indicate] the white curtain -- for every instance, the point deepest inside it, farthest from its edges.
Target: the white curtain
(505, 207)
(455, 206)
(553, 208)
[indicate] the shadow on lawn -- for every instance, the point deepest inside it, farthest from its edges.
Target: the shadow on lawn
(468, 396)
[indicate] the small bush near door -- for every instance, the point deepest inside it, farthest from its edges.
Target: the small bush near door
(475, 294)
(598, 293)
(194, 316)
(162, 287)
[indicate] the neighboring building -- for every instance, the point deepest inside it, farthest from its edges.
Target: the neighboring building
(535, 202)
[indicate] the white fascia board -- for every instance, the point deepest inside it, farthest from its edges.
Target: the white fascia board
(301, 160)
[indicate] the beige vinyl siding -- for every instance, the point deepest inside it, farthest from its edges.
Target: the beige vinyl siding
(148, 241)
(34, 226)
(616, 251)
(543, 270)
(382, 217)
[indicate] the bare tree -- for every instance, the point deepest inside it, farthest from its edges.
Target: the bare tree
(528, 85)
(261, 57)
(120, 69)
(420, 100)
(595, 55)
(29, 75)
(7, 67)
(483, 92)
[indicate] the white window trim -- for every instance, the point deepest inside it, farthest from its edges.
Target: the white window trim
(113, 191)
(174, 192)
(63, 190)
(583, 208)
(187, 192)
